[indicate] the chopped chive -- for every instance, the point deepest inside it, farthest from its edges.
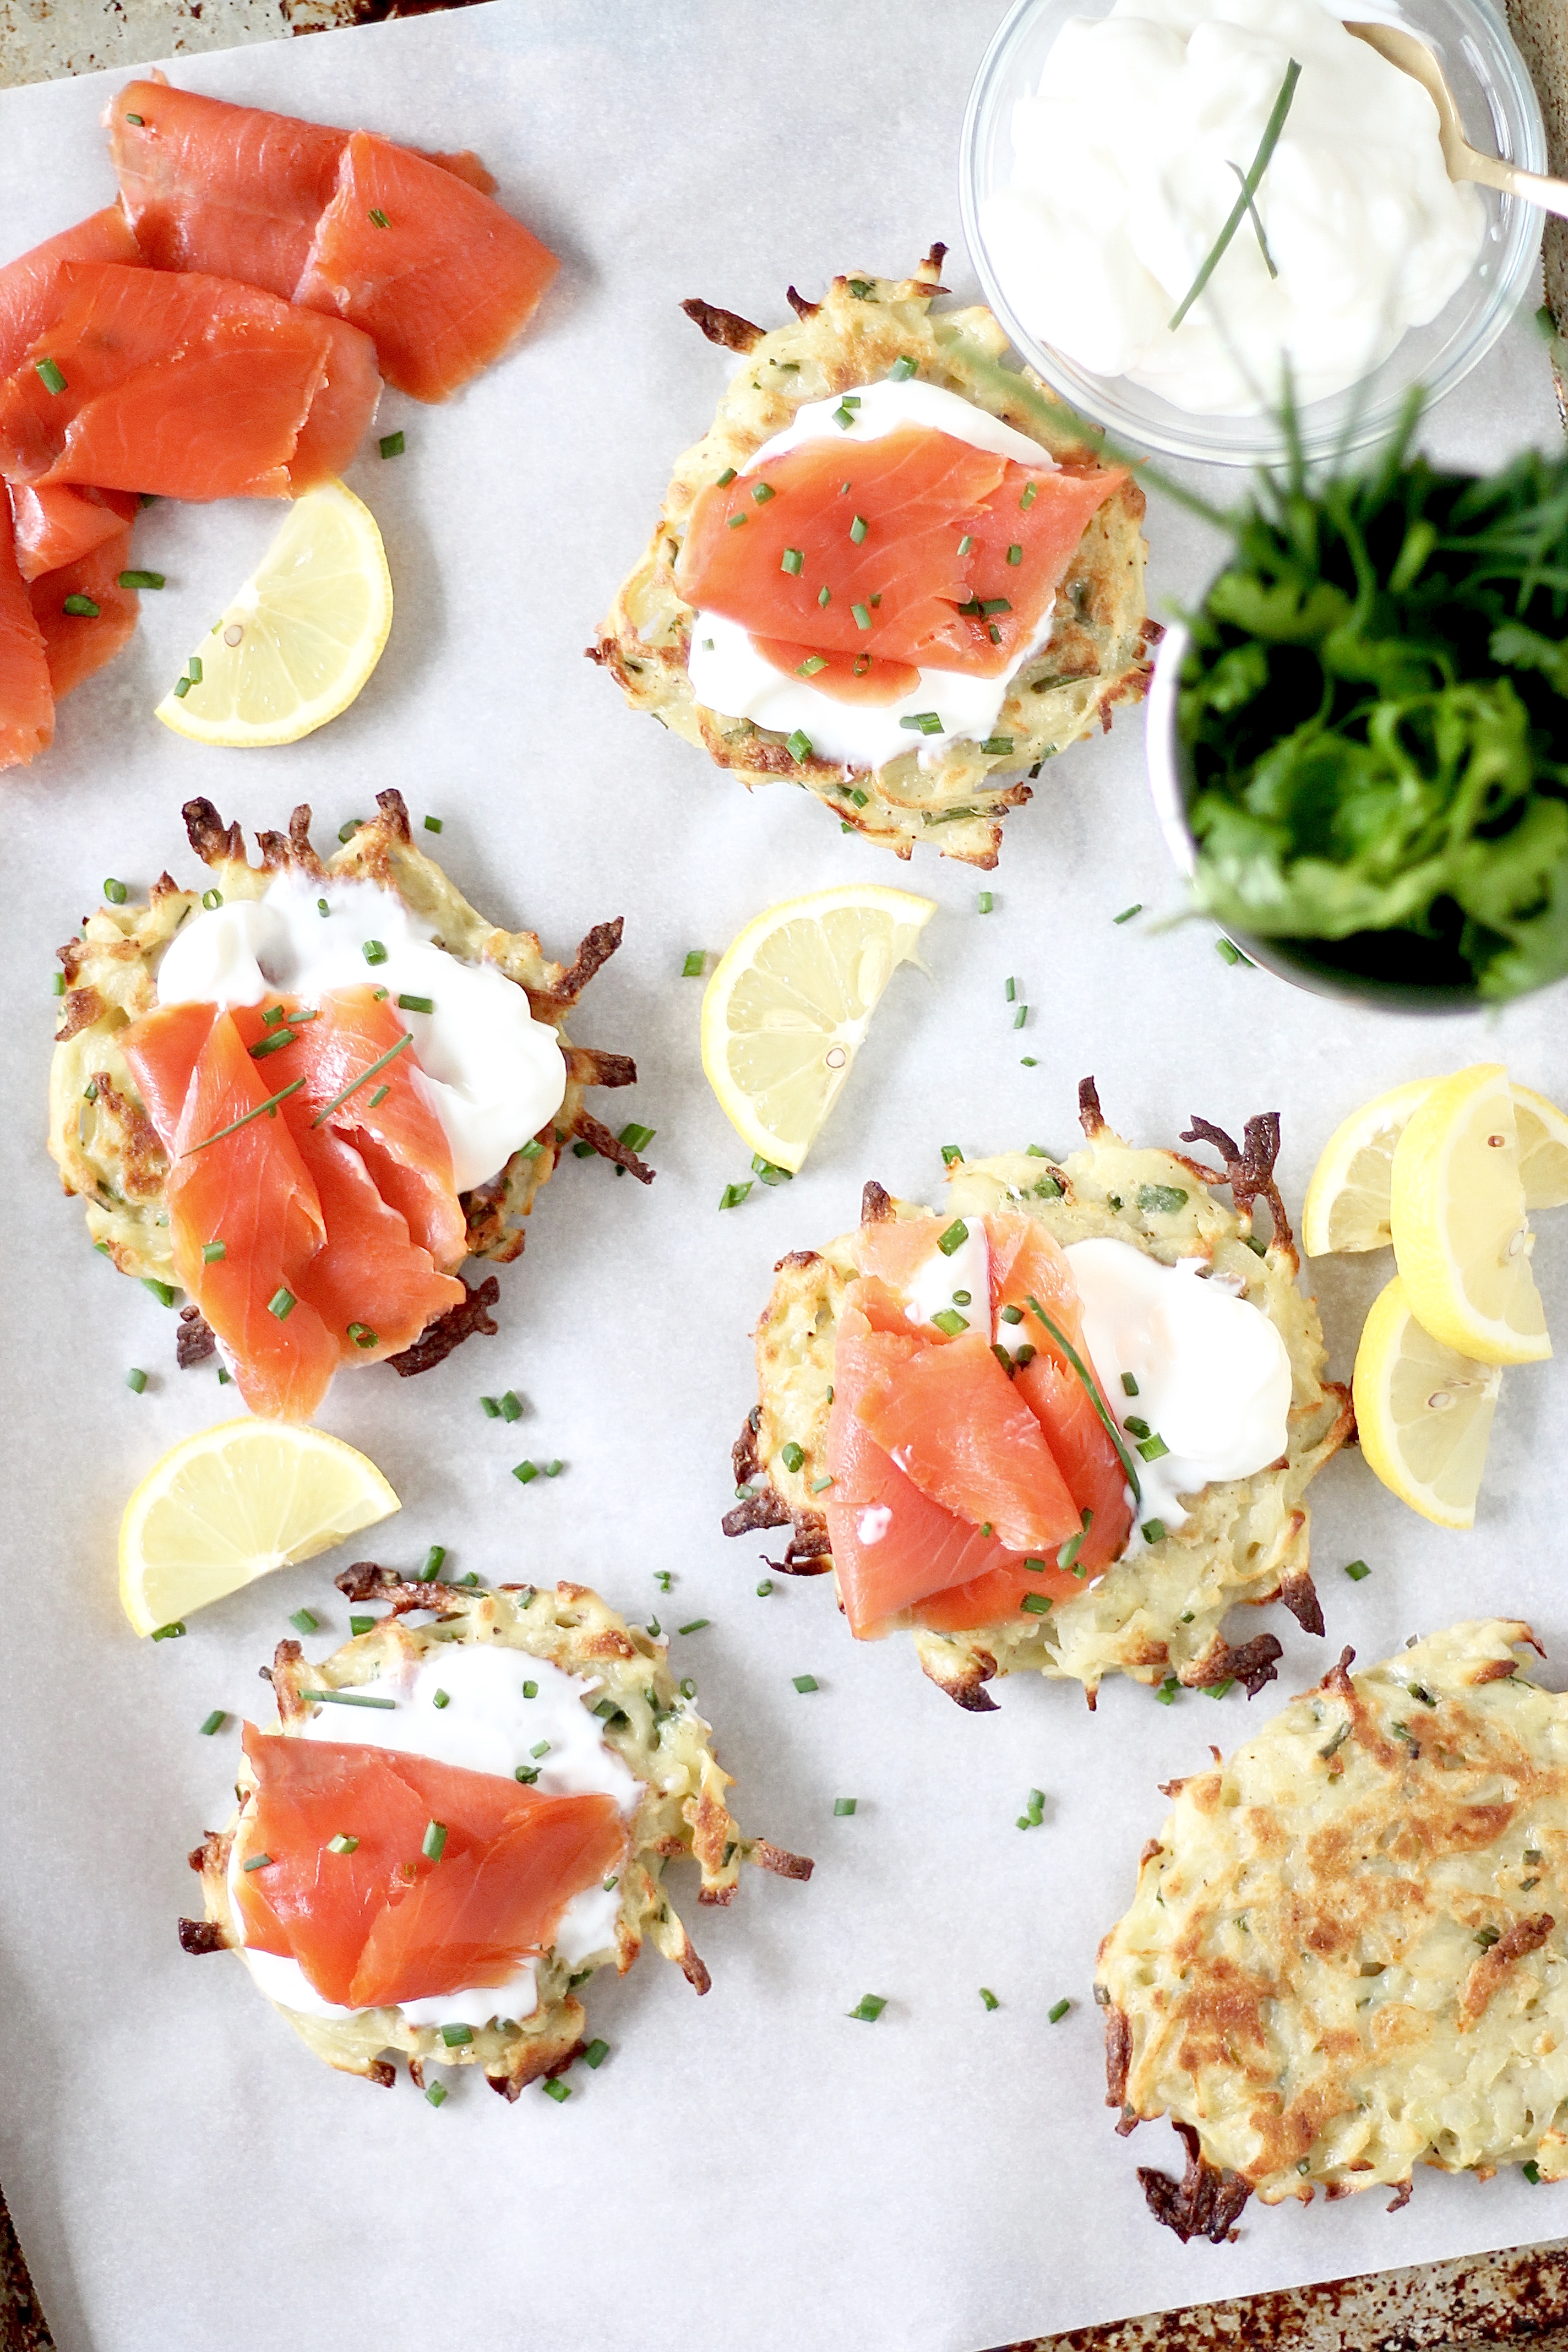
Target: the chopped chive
(1355, 1569)
(1153, 1449)
(1243, 204)
(726, 478)
(687, 1687)
(378, 217)
(663, 1579)
(510, 1406)
(1015, 553)
(1036, 1604)
(274, 1043)
(526, 1472)
(989, 1998)
(1128, 1385)
(1128, 912)
(922, 722)
(436, 2094)
(1058, 2011)
(141, 580)
(164, 1292)
(416, 1005)
(1137, 1428)
(492, 1409)
(182, 687)
(57, 988)
(1011, 1314)
(53, 381)
(532, 1150)
(304, 1620)
(557, 2090)
(820, 1486)
(954, 1238)
(805, 1682)
(1009, 989)
(862, 617)
(995, 605)
(214, 1722)
(553, 1469)
(696, 958)
(114, 891)
(732, 1195)
(363, 1336)
(351, 825)
(358, 1625)
(1167, 1691)
(1229, 952)
(194, 669)
(136, 119)
(346, 1699)
(281, 1304)
(170, 1633)
(857, 529)
(1218, 1690)
(378, 1098)
(697, 1626)
(868, 2008)
(1028, 1062)
(768, 1173)
(1037, 1566)
(342, 1844)
(435, 1560)
(736, 520)
(258, 1861)
(859, 287)
(1031, 492)
(1531, 2172)
(798, 746)
(597, 2052)
(998, 747)
(441, 1698)
(844, 415)
(433, 1844)
(374, 952)
(355, 1085)
(901, 369)
(792, 1456)
(825, 595)
(272, 1016)
(985, 901)
(950, 1321)
(136, 1378)
(951, 1155)
(792, 560)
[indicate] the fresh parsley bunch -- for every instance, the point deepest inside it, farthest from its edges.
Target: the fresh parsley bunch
(1375, 707)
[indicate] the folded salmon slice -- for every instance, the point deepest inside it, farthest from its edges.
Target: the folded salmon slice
(29, 285)
(26, 699)
(384, 1924)
(190, 386)
(61, 525)
(443, 287)
(78, 644)
(932, 553)
(297, 208)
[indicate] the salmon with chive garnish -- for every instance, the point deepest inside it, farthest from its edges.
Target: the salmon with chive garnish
(859, 563)
(447, 1878)
(26, 700)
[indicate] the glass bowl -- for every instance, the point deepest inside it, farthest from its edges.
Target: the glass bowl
(1373, 968)
(1501, 114)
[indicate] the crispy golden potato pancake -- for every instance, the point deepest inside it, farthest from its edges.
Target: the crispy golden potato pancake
(1097, 655)
(100, 1136)
(1348, 1952)
(651, 1726)
(1161, 1612)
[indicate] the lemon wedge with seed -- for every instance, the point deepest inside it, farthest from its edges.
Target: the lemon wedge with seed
(1424, 1411)
(1346, 1206)
(1456, 1212)
(790, 1002)
(232, 1504)
(300, 638)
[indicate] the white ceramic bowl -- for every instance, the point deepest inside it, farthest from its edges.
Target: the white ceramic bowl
(1501, 114)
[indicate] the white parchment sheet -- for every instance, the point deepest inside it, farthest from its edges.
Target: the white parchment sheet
(753, 2169)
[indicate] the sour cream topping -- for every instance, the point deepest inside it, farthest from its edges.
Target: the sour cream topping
(492, 1074)
(728, 676)
(1213, 1373)
(1126, 162)
(485, 1725)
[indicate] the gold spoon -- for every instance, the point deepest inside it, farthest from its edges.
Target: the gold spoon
(1464, 162)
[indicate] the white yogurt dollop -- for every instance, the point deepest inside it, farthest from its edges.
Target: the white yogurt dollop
(1127, 163)
(485, 1725)
(728, 676)
(491, 1074)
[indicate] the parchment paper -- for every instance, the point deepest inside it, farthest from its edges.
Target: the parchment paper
(756, 2168)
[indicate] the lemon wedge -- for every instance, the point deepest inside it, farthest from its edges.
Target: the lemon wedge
(232, 1504)
(1424, 1412)
(785, 1010)
(299, 640)
(1346, 1206)
(1458, 1216)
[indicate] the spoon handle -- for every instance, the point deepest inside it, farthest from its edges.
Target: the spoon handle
(1552, 195)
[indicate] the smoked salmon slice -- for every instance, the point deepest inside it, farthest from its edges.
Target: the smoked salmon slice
(408, 246)
(78, 644)
(29, 286)
(385, 1923)
(317, 1266)
(187, 385)
(443, 287)
(27, 702)
(61, 525)
(913, 549)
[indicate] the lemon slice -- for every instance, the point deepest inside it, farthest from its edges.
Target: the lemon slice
(1424, 1412)
(300, 639)
(233, 1503)
(1346, 1206)
(790, 1002)
(1456, 1212)
(1542, 1150)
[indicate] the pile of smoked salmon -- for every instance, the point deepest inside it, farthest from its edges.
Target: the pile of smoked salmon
(223, 331)
(963, 1485)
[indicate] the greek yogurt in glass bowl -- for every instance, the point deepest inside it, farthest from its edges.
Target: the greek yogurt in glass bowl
(1104, 146)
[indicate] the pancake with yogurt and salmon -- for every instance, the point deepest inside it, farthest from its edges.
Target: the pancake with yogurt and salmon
(1064, 1422)
(306, 1095)
(893, 571)
(431, 1865)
